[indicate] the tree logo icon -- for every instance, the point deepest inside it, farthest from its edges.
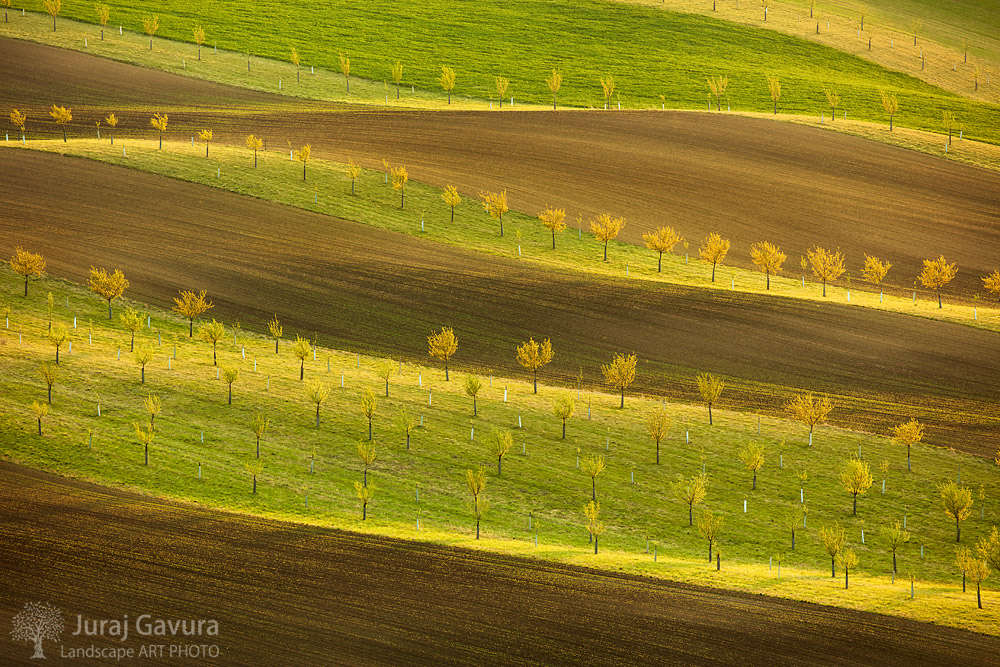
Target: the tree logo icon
(37, 622)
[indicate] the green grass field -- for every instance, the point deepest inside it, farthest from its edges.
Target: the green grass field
(540, 478)
(524, 40)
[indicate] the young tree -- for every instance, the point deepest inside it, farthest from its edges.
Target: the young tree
(301, 349)
(191, 306)
(199, 37)
(254, 469)
(890, 104)
(152, 405)
(500, 442)
(713, 250)
(691, 492)
(58, 336)
(662, 240)
(52, 7)
(501, 84)
(915, 27)
(895, 538)
(608, 87)
(849, 561)
(230, 374)
(397, 76)
(495, 203)
(255, 144)
(103, 14)
(366, 451)
(957, 502)
(752, 456)
(447, 80)
(975, 569)
(774, 86)
(768, 258)
(276, 330)
(212, 332)
(717, 88)
(709, 527)
(399, 179)
(591, 510)
(620, 373)
(108, 285)
(992, 283)
(365, 494)
(794, 520)
(317, 392)
(553, 219)
(532, 356)
(143, 355)
(442, 345)
(384, 371)
(353, 172)
(810, 410)
(658, 424)
(554, 83)
(563, 409)
(159, 123)
(908, 433)
(145, 437)
(710, 388)
(27, 264)
(18, 119)
(833, 99)
(296, 61)
(368, 405)
(131, 320)
(833, 540)
(592, 467)
(405, 423)
(874, 271)
(451, 198)
(49, 375)
(826, 265)
(206, 136)
(303, 157)
(606, 228)
(62, 116)
(112, 122)
(259, 424)
(472, 386)
(150, 25)
(475, 482)
(936, 274)
(40, 410)
(345, 67)
(856, 478)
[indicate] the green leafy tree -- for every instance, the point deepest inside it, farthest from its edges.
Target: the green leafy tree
(592, 511)
(230, 374)
(317, 392)
(475, 482)
(473, 384)
(856, 478)
(366, 451)
(592, 467)
(500, 442)
(368, 406)
(957, 502)
(254, 469)
(259, 424)
(895, 537)
(365, 493)
(833, 540)
(658, 424)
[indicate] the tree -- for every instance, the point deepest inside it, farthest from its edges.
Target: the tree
(957, 502)
(353, 172)
(895, 537)
(990, 282)
(212, 332)
(833, 99)
(658, 424)
(62, 116)
(368, 405)
(112, 122)
(317, 392)
(501, 84)
(691, 492)
(975, 569)
(606, 228)
(500, 442)
(103, 14)
(38, 621)
(199, 37)
(936, 274)
(794, 520)
(532, 356)
(713, 250)
(591, 510)
(159, 123)
(399, 179)
(191, 306)
(259, 423)
(296, 61)
(447, 80)
(18, 119)
(52, 7)
(58, 337)
(608, 87)
(890, 104)
(145, 437)
(988, 548)
(255, 144)
(662, 240)
(451, 198)
(301, 349)
(593, 466)
(948, 120)
(495, 203)
(975, 77)
(406, 424)
(752, 456)
(710, 388)
(275, 329)
(475, 482)
(27, 264)
(856, 478)
(553, 220)
(384, 371)
(303, 157)
(717, 88)
(108, 285)
(152, 405)
(49, 376)
(254, 468)
(875, 271)
(620, 373)
(206, 136)
(908, 433)
(848, 560)
(442, 345)
(554, 83)
(810, 410)
(774, 86)
(768, 258)
(366, 451)
(150, 26)
(39, 410)
(397, 76)
(230, 374)
(563, 409)
(826, 265)
(143, 355)
(365, 494)
(833, 540)
(472, 386)
(915, 26)
(345, 68)
(709, 527)
(131, 320)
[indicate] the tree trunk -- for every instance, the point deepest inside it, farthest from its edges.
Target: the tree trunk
(142, 379)
(908, 458)
(401, 192)
(824, 287)
(230, 394)
(596, 537)
(690, 515)
(146, 453)
(475, 412)
(64, 134)
(893, 561)
(53, 24)
(366, 475)
(161, 145)
(659, 262)
(364, 511)
(276, 346)
(657, 452)
(39, 426)
(449, 97)
(793, 540)
(255, 483)
(593, 489)
(709, 551)
(303, 172)
(553, 238)
(939, 299)
(754, 481)
(564, 429)
(477, 520)
(979, 597)
(499, 462)
(847, 575)
(833, 566)
(890, 123)
(501, 226)
(302, 370)
(769, 280)
(776, 107)
(958, 531)
(215, 358)
(709, 414)
(397, 91)
(57, 356)
(199, 50)
(605, 251)
(713, 272)
(855, 504)
(369, 437)
(446, 371)
(131, 344)
(453, 214)
(26, 286)
(258, 447)
(317, 415)
(407, 442)
(536, 386)
(352, 186)
(50, 394)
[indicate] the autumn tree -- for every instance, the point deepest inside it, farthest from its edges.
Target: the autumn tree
(301, 349)
(62, 116)
(976, 569)
(810, 410)
(717, 88)
(447, 81)
(131, 320)
(191, 306)
(40, 410)
(206, 136)
(143, 354)
(890, 104)
(826, 265)
(592, 511)
(833, 99)
(658, 424)
(442, 345)
(752, 457)
(554, 220)
(112, 122)
(532, 356)
(451, 198)
(212, 332)
(368, 406)
(317, 392)
(276, 330)
(405, 423)
(957, 502)
(255, 144)
(606, 228)
(345, 68)
(936, 274)
(296, 60)
(691, 492)
(992, 283)
(768, 258)
(353, 172)
(18, 119)
(49, 376)
(110, 286)
(709, 527)
(303, 156)
(774, 86)
(259, 424)
(895, 537)
(397, 76)
(159, 123)
(662, 240)
(849, 561)
(384, 371)
(145, 436)
(103, 14)
(365, 494)
(473, 384)
(709, 388)
(495, 204)
(554, 83)
(501, 83)
(367, 453)
(254, 469)
(713, 250)
(620, 373)
(592, 467)
(27, 264)
(563, 409)
(52, 7)
(230, 374)
(500, 442)
(199, 37)
(833, 539)
(856, 478)
(608, 88)
(875, 271)
(399, 179)
(475, 482)
(794, 520)
(58, 336)
(908, 433)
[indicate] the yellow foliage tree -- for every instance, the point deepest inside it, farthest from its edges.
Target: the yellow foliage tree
(563, 409)
(368, 406)
(501, 84)
(553, 219)
(957, 502)
(49, 375)
(53, 8)
(908, 433)
(658, 424)
(206, 136)
(58, 336)
(554, 83)
(62, 116)
(199, 37)
(345, 68)
(717, 88)
(212, 332)
(620, 373)
(710, 526)
(159, 123)
(890, 104)
(691, 492)
(500, 442)
(849, 561)
(145, 437)
(810, 410)
(473, 384)
(151, 25)
(592, 467)
(296, 60)
(276, 330)
(752, 457)
(191, 306)
(317, 392)
(27, 264)
(592, 511)
(774, 86)
(258, 424)
(495, 203)
(475, 482)
(875, 271)
(606, 228)
(709, 388)
(18, 119)
(143, 355)
(353, 172)
(833, 539)
(533, 356)
(936, 274)
(608, 88)
(992, 283)
(103, 14)
(39, 410)
(365, 494)
(112, 122)
(442, 345)
(303, 156)
(826, 265)
(833, 99)
(301, 349)
(254, 469)
(399, 179)
(451, 198)
(131, 320)
(108, 285)
(662, 240)
(447, 81)
(856, 478)
(397, 75)
(230, 374)
(768, 258)
(713, 250)
(255, 144)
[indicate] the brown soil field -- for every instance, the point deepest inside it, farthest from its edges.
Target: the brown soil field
(289, 594)
(362, 288)
(750, 179)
